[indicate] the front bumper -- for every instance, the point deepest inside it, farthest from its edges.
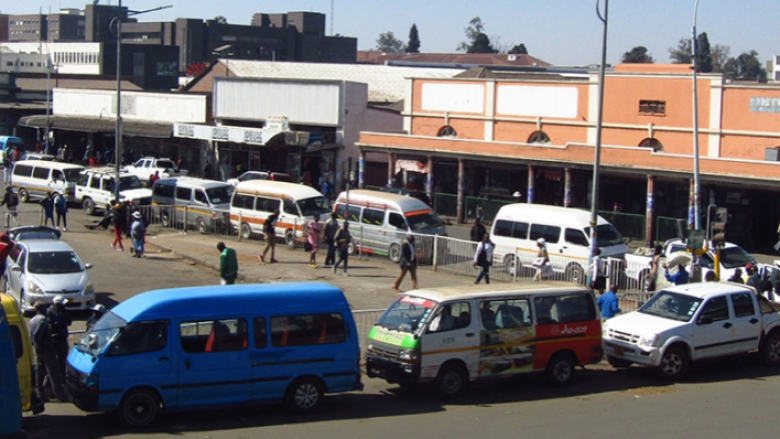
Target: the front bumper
(644, 355)
(78, 302)
(391, 371)
(84, 398)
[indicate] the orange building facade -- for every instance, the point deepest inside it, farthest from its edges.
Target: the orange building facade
(535, 134)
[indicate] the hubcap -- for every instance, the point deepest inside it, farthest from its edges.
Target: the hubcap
(562, 372)
(671, 364)
(452, 383)
(306, 396)
(774, 351)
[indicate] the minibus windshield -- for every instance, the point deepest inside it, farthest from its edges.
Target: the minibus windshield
(407, 314)
(219, 195)
(424, 221)
(72, 175)
(606, 235)
(105, 330)
(314, 206)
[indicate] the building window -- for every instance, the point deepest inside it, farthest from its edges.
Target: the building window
(653, 108)
(652, 143)
(447, 131)
(538, 137)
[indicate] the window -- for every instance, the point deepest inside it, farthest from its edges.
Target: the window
(503, 228)
(95, 182)
(183, 193)
(41, 173)
(576, 237)
(450, 317)
(352, 214)
(56, 175)
(138, 338)
(743, 305)
(308, 329)
(520, 230)
(290, 208)
(652, 108)
(655, 144)
(397, 220)
(564, 309)
(716, 309)
(261, 333)
(447, 131)
(502, 314)
(200, 197)
(551, 234)
(242, 201)
(23, 170)
(538, 137)
(163, 190)
(108, 184)
(266, 204)
(373, 217)
(213, 336)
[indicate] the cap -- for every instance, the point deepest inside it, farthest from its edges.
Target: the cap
(750, 266)
(60, 299)
(137, 215)
(541, 241)
(99, 308)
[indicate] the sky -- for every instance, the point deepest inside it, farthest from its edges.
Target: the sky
(561, 32)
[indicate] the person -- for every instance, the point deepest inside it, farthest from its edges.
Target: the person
(154, 178)
(60, 320)
(484, 258)
(45, 356)
(478, 230)
(408, 263)
(329, 231)
(679, 278)
(48, 209)
(314, 228)
(737, 277)
(269, 230)
(119, 219)
(609, 304)
(488, 315)
(97, 312)
(597, 272)
(710, 276)
(6, 245)
(650, 282)
(342, 238)
(61, 207)
(207, 170)
(753, 277)
(7, 168)
(444, 321)
(137, 234)
(542, 258)
(228, 264)
(11, 200)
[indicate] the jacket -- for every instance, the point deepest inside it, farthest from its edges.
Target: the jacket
(343, 238)
(484, 254)
(60, 204)
(330, 229)
(407, 254)
(228, 264)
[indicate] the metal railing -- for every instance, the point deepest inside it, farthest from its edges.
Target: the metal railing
(665, 228)
(445, 204)
(489, 208)
(630, 225)
(27, 216)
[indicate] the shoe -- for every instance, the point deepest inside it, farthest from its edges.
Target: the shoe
(65, 229)
(346, 274)
(261, 258)
(396, 289)
(476, 283)
(273, 261)
(314, 266)
(112, 245)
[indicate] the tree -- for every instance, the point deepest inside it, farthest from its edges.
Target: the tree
(703, 54)
(638, 55)
(478, 41)
(388, 43)
(413, 46)
(720, 55)
(682, 53)
(220, 19)
(746, 66)
(519, 49)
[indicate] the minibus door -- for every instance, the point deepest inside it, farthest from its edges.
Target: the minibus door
(453, 333)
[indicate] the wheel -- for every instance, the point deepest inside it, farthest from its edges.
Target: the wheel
(289, 238)
(575, 273)
(512, 265)
(618, 363)
(139, 408)
(200, 225)
(304, 395)
(165, 219)
(674, 363)
(89, 206)
(770, 351)
(451, 381)
(394, 252)
(246, 231)
(560, 369)
(24, 196)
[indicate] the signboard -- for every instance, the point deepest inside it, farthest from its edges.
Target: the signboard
(255, 136)
(278, 123)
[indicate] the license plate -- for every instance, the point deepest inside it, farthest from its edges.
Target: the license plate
(620, 350)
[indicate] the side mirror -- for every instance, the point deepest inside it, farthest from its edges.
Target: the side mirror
(88, 265)
(16, 268)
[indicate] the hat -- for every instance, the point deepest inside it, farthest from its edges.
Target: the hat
(60, 299)
(137, 215)
(541, 241)
(99, 308)
(750, 266)
(39, 304)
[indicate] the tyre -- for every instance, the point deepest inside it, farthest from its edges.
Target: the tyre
(304, 395)
(246, 231)
(674, 363)
(165, 219)
(451, 382)
(575, 273)
(200, 225)
(24, 196)
(618, 363)
(770, 350)
(289, 238)
(89, 206)
(394, 252)
(139, 408)
(512, 265)
(560, 369)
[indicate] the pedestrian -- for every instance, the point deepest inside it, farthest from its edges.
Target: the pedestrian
(408, 263)
(119, 220)
(679, 278)
(45, 356)
(11, 200)
(343, 238)
(60, 321)
(650, 282)
(710, 276)
(228, 264)
(478, 230)
(314, 228)
(61, 207)
(597, 272)
(737, 277)
(138, 234)
(484, 258)
(48, 209)
(154, 178)
(753, 277)
(269, 230)
(97, 312)
(7, 167)
(329, 231)
(5, 249)
(207, 170)
(609, 304)
(542, 259)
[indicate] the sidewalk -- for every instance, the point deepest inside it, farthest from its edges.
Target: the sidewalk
(369, 285)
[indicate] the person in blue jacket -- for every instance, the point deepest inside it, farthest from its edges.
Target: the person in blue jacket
(609, 304)
(679, 278)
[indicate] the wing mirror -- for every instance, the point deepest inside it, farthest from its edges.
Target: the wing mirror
(88, 265)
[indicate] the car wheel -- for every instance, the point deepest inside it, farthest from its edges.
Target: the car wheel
(246, 231)
(304, 395)
(165, 219)
(89, 206)
(139, 408)
(394, 252)
(24, 196)
(618, 363)
(674, 363)
(560, 369)
(451, 381)
(200, 224)
(770, 351)
(289, 238)
(575, 273)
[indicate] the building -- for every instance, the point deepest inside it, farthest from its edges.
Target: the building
(458, 59)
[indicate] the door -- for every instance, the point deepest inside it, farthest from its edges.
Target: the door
(15, 271)
(374, 234)
(747, 322)
(505, 337)
(713, 329)
(451, 334)
(213, 365)
(289, 219)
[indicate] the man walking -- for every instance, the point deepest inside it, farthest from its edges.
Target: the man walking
(408, 263)
(343, 238)
(60, 320)
(228, 264)
(137, 234)
(269, 230)
(329, 231)
(483, 258)
(48, 209)
(45, 357)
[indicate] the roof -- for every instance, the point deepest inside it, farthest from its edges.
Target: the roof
(563, 215)
(385, 83)
(232, 300)
(50, 164)
(194, 182)
(130, 128)
(377, 198)
(484, 291)
(504, 59)
(268, 187)
(704, 290)
(95, 83)
(41, 245)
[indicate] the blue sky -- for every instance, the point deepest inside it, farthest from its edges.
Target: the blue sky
(563, 32)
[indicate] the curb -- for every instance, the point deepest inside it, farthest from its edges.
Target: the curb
(198, 261)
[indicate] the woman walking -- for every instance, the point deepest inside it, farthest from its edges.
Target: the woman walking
(597, 272)
(542, 259)
(120, 225)
(484, 258)
(314, 229)
(137, 234)
(343, 239)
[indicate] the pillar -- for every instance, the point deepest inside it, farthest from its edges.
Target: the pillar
(530, 184)
(691, 200)
(361, 169)
(390, 168)
(650, 212)
(461, 197)
(567, 187)
(429, 186)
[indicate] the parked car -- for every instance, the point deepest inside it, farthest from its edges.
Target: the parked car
(39, 178)
(40, 269)
(95, 189)
(260, 175)
(207, 201)
(145, 168)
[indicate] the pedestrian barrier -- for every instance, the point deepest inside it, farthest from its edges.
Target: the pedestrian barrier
(23, 217)
(365, 320)
(445, 204)
(489, 208)
(630, 225)
(666, 228)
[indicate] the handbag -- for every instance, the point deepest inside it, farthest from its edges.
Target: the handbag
(307, 246)
(538, 262)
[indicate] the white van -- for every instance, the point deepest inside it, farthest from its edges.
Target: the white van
(203, 198)
(566, 231)
(39, 178)
(384, 219)
(96, 189)
(253, 201)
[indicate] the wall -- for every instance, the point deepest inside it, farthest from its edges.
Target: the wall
(152, 107)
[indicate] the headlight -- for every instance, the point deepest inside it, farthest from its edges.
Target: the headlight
(89, 287)
(409, 355)
(650, 340)
(370, 348)
(34, 289)
(88, 379)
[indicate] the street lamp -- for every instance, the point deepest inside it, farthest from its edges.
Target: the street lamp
(696, 180)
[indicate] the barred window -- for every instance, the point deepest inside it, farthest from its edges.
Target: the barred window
(655, 108)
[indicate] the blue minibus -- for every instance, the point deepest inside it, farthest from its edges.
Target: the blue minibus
(216, 345)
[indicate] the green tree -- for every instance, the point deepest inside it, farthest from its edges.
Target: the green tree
(720, 55)
(413, 46)
(388, 43)
(477, 40)
(682, 53)
(703, 53)
(746, 66)
(220, 19)
(519, 49)
(637, 55)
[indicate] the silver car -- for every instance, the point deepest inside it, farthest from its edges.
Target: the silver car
(40, 269)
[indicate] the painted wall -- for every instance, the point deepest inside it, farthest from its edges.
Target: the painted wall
(151, 107)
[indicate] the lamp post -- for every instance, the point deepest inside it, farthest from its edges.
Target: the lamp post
(696, 179)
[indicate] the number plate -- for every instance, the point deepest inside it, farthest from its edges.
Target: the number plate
(620, 350)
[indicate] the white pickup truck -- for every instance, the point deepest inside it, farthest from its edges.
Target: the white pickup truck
(145, 168)
(694, 322)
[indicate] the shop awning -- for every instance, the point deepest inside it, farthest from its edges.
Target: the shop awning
(130, 128)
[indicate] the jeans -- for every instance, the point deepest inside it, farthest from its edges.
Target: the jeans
(343, 255)
(330, 259)
(485, 272)
(62, 216)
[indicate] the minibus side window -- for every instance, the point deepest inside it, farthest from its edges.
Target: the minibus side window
(340, 211)
(23, 170)
(266, 204)
(183, 193)
(200, 197)
(503, 228)
(576, 237)
(141, 337)
(243, 201)
(290, 207)
(450, 317)
(551, 234)
(373, 217)
(213, 336)
(42, 173)
(163, 190)
(307, 329)
(397, 221)
(503, 314)
(564, 309)
(520, 231)
(261, 334)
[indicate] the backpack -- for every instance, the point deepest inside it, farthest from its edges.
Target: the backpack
(13, 199)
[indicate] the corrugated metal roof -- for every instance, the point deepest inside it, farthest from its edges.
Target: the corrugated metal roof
(385, 83)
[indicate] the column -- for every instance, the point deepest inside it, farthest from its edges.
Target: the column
(429, 185)
(361, 169)
(530, 184)
(390, 168)
(567, 187)
(650, 213)
(461, 197)
(691, 211)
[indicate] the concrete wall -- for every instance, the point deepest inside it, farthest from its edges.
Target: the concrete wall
(151, 107)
